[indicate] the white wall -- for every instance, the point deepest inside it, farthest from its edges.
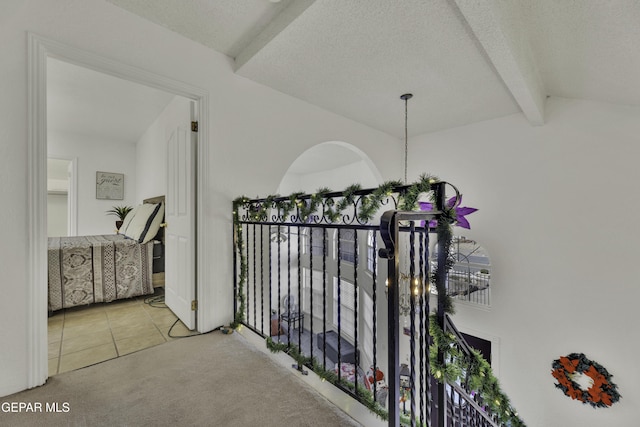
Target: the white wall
(96, 155)
(56, 214)
(325, 165)
(556, 213)
(151, 151)
(255, 134)
(336, 179)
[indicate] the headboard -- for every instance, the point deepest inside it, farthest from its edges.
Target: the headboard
(155, 200)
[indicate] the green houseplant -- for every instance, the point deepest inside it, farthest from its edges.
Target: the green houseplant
(121, 212)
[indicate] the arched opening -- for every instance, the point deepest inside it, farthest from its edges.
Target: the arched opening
(332, 164)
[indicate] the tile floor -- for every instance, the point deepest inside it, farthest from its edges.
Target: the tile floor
(83, 336)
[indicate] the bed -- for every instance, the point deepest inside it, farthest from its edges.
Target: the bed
(93, 269)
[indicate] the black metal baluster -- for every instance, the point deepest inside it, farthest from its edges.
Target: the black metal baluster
(279, 281)
(271, 285)
(339, 305)
(427, 298)
(412, 301)
(441, 273)
(355, 308)
(255, 317)
(311, 344)
(299, 299)
(262, 280)
(288, 286)
(421, 323)
(375, 311)
(324, 299)
(389, 233)
(247, 294)
(236, 226)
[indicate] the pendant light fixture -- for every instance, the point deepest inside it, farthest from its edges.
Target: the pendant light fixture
(406, 97)
(404, 299)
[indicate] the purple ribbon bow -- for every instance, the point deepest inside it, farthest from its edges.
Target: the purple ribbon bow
(461, 212)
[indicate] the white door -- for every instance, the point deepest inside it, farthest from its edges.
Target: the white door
(72, 199)
(180, 232)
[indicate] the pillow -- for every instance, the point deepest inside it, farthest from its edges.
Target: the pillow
(127, 220)
(139, 227)
(133, 227)
(153, 224)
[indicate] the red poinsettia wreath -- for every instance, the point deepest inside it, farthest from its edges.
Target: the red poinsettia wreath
(601, 394)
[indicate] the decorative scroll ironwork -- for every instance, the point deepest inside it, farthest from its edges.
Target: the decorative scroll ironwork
(349, 207)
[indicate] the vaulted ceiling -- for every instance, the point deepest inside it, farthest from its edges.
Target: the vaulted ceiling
(464, 60)
(101, 107)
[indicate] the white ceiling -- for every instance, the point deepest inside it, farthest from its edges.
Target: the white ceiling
(464, 60)
(106, 108)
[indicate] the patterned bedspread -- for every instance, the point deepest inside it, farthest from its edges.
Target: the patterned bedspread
(88, 269)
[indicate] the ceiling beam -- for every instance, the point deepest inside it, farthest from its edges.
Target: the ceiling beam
(503, 37)
(275, 27)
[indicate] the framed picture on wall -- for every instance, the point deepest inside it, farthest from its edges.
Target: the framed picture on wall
(109, 186)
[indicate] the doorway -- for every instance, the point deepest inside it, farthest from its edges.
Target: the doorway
(40, 49)
(61, 197)
(108, 124)
(480, 344)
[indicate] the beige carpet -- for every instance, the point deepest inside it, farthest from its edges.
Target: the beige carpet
(206, 380)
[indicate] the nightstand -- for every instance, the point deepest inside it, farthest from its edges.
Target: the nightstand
(158, 263)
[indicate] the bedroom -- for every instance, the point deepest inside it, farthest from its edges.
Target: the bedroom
(103, 123)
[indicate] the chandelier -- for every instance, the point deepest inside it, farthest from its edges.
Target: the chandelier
(404, 300)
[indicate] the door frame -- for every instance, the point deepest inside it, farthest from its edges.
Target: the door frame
(72, 194)
(38, 50)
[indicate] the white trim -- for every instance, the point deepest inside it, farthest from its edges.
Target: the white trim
(39, 48)
(72, 194)
(36, 320)
(73, 199)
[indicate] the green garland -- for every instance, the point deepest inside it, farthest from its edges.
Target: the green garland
(445, 236)
(365, 396)
(369, 204)
(240, 297)
(474, 369)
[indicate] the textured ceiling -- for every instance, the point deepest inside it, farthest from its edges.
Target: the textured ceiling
(360, 61)
(227, 26)
(464, 60)
(588, 49)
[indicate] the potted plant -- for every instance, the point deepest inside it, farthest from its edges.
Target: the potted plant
(121, 212)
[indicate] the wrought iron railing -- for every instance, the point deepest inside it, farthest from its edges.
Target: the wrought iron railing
(466, 407)
(310, 281)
